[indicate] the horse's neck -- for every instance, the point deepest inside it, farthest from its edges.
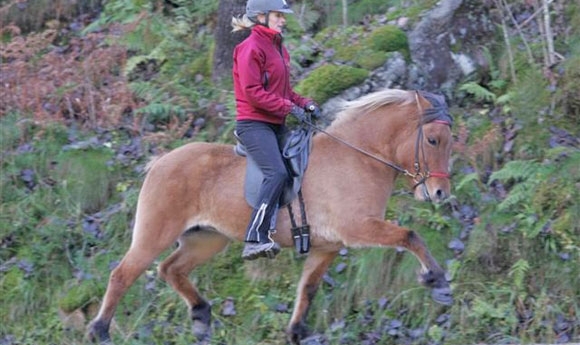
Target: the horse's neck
(376, 133)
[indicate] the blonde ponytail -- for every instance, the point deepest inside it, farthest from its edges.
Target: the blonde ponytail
(241, 23)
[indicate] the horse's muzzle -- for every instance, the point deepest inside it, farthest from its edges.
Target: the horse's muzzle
(437, 193)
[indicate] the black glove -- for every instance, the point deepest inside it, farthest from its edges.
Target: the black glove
(313, 109)
(298, 113)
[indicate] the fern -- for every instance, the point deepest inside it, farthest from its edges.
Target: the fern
(144, 90)
(504, 100)
(519, 194)
(518, 273)
(161, 112)
(133, 62)
(119, 11)
(479, 92)
(516, 170)
(467, 180)
(527, 176)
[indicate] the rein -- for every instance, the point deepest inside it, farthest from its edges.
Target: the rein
(364, 152)
(418, 177)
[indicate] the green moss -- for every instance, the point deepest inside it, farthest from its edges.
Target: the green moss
(365, 50)
(325, 33)
(329, 80)
(79, 296)
(347, 52)
(345, 41)
(388, 38)
(370, 59)
(414, 12)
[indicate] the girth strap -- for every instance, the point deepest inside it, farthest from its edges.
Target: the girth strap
(300, 234)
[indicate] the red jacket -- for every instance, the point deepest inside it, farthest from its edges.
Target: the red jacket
(261, 74)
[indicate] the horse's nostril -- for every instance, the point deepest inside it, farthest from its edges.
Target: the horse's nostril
(440, 194)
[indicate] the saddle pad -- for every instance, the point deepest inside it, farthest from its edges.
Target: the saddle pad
(296, 151)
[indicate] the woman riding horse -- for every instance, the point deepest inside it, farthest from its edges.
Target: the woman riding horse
(194, 195)
(264, 98)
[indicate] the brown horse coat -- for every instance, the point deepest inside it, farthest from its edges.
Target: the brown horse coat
(194, 195)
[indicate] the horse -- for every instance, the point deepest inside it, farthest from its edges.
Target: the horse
(194, 196)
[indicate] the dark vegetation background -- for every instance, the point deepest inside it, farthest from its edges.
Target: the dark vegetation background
(90, 90)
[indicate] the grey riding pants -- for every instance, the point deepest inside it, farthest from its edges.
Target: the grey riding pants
(263, 142)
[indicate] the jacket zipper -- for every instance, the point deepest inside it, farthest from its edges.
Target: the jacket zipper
(286, 72)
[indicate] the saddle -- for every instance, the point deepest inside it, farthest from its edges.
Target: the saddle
(296, 151)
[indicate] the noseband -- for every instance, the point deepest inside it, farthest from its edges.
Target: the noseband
(436, 114)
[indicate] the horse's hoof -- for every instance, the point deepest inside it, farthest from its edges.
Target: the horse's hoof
(200, 330)
(297, 332)
(98, 332)
(315, 339)
(442, 295)
(201, 317)
(202, 338)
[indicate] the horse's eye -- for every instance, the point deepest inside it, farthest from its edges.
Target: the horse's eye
(432, 141)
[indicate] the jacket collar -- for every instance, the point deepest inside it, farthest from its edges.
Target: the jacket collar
(267, 33)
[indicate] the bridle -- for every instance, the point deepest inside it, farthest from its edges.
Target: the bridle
(419, 176)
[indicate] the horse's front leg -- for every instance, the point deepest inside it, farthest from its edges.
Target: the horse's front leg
(377, 232)
(315, 266)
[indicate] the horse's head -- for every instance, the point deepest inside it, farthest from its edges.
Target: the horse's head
(412, 128)
(431, 149)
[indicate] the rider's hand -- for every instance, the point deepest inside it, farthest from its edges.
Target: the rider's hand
(298, 113)
(313, 109)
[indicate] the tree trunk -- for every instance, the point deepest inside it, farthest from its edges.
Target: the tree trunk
(344, 13)
(225, 40)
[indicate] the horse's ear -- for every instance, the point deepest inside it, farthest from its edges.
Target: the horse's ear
(418, 101)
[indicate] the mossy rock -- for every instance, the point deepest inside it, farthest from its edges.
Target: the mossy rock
(343, 40)
(347, 52)
(364, 50)
(80, 296)
(329, 80)
(388, 38)
(370, 59)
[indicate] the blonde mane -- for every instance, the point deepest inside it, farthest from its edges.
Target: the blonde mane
(373, 101)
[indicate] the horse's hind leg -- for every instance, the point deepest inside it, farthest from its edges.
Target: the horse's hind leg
(145, 248)
(195, 247)
(315, 266)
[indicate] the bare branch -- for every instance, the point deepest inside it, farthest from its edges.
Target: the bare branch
(548, 32)
(517, 26)
(507, 41)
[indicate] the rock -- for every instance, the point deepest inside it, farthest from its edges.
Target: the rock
(228, 307)
(446, 42)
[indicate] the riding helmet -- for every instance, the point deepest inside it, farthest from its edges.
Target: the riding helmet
(255, 7)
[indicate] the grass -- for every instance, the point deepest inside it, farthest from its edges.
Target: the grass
(63, 264)
(68, 198)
